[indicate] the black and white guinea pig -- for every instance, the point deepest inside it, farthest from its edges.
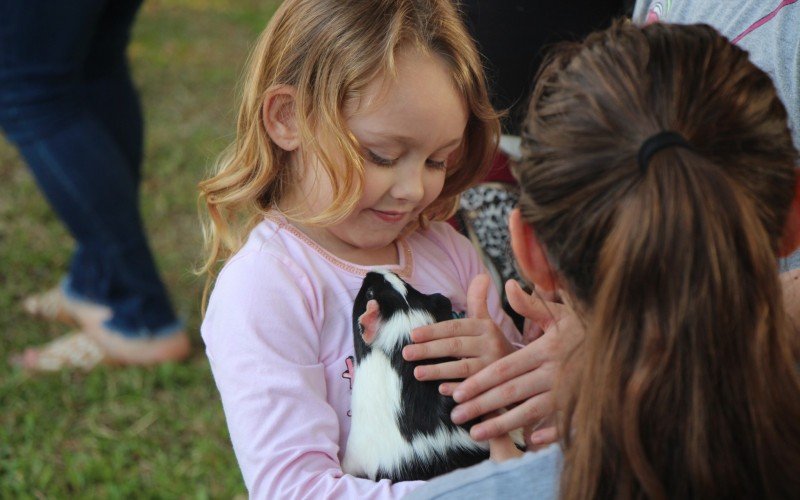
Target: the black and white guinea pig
(400, 427)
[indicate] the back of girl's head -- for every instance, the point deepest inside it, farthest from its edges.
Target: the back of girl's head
(329, 51)
(673, 263)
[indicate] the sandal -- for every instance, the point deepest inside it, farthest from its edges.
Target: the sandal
(83, 350)
(54, 305)
(74, 350)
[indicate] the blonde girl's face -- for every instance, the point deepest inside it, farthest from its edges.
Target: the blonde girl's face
(408, 128)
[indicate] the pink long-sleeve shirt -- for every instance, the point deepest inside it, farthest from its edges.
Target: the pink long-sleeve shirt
(278, 335)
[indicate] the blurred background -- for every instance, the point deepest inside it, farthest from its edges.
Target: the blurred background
(129, 432)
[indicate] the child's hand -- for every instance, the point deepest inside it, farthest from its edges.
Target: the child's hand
(476, 339)
(524, 378)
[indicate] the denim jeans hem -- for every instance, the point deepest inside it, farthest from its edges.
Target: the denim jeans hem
(72, 294)
(163, 332)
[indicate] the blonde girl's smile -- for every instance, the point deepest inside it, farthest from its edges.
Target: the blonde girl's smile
(390, 217)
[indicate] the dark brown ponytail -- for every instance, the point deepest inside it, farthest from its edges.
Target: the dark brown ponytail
(689, 385)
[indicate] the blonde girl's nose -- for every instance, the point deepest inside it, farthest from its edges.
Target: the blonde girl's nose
(409, 185)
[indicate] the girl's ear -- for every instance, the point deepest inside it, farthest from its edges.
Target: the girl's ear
(791, 232)
(530, 253)
(278, 115)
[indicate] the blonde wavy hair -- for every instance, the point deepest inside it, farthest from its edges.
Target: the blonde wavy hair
(329, 51)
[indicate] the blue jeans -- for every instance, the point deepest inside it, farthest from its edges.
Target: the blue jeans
(68, 103)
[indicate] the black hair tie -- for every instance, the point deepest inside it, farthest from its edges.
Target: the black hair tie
(657, 142)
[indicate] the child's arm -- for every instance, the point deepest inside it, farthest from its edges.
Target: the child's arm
(262, 339)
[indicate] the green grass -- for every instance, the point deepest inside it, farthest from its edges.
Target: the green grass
(155, 432)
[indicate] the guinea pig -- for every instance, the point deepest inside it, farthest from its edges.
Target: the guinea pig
(400, 427)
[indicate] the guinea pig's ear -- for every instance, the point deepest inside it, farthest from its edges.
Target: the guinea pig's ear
(278, 113)
(369, 321)
(442, 305)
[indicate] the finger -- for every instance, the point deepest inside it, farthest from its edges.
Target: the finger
(446, 388)
(542, 437)
(477, 297)
(448, 370)
(525, 414)
(531, 331)
(524, 360)
(529, 305)
(449, 328)
(454, 347)
(509, 393)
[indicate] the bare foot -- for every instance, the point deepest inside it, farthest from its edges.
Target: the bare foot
(141, 351)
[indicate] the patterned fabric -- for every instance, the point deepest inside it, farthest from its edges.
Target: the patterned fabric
(74, 350)
(484, 219)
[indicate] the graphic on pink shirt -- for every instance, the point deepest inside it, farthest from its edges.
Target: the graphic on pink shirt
(350, 374)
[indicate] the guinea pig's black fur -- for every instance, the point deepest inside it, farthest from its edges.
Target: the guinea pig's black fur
(401, 427)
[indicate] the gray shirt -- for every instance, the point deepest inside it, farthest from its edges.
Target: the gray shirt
(768, 29)
(534, 475)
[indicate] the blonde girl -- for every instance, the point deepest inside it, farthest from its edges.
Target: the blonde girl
(361, 122)
(660, 189)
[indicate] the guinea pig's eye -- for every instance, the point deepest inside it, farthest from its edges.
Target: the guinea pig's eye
(370, 294)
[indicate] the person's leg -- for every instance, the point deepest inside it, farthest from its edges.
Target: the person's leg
(44, 46)
(108, 88)
(110, 95)
(88, 184)
(79, 164)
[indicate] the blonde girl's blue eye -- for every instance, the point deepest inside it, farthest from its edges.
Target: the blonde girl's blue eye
(379, 160)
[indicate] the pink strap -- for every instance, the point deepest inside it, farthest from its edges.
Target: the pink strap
(762, 21)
